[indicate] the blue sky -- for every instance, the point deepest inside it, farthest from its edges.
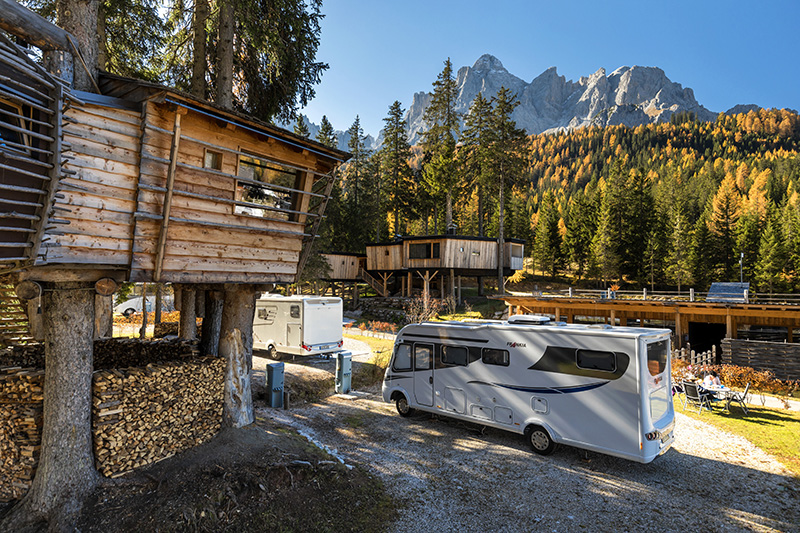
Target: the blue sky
(729, 52)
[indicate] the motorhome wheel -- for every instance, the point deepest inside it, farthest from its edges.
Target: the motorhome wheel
(540, 440)
(402, 406)
(272, 353)
(128, 312)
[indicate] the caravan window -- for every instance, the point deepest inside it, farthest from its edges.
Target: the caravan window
(454, 355)
(294, 311)
(597, 360)
(423, 357)
(492, 356)
(657, 357)
(402, 358)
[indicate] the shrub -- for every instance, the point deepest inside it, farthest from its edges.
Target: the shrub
(763, 381)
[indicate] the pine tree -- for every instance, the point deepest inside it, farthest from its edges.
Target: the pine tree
(679, 265)
(395, 154)
(725, 210)
(300, 127)
(581, 226)
(326, 135)
(769, 272)
(439, 140)
(475, 153)
(507, 154)
(548, 246)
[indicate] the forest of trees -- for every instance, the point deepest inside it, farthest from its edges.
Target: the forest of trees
(668, 205)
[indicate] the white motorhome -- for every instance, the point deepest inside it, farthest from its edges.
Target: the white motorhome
(297, 325)
(602, 388)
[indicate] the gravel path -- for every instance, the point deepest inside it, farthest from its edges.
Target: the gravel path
(450, 476)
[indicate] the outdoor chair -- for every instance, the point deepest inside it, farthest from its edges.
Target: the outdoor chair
(693, 396)
(677, 390)
(740, 398)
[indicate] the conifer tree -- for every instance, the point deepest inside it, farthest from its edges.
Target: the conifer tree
(547, 245)
(769, 272)
(725, 211)
(395, 155)
(326, 135)
(300, 127)
(439, 140)
(679, 265)
(475, 153)
(581, 226)
(508, 158)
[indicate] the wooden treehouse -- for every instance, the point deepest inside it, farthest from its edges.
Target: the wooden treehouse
(438, 261)
(136, 182)
(145, 183)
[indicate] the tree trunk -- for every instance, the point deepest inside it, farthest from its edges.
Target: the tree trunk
(187, 328)
(199, 60)
(159, 303)
(236, 345)
(500, 240)
(209, 343)
(143, 329)
(79, 17)
(103, 316)
(66, 474)
(225, 55)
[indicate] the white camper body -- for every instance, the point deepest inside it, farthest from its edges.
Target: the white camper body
(602, 388)
(297, 325)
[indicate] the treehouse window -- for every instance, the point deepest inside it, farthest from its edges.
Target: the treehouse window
(272, 199)
(213, 160)
(428, 250)
(11, 122)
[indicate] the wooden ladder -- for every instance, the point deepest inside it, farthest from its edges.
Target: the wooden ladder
(14, 327)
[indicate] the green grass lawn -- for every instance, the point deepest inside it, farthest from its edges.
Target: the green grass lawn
(776, 431)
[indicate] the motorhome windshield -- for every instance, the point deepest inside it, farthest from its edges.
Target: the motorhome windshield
(657, 357)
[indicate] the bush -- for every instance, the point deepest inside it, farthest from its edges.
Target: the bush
(737, 377)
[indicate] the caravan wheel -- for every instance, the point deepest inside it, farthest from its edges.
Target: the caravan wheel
(273, 354)
(402, 406)
(539, 440)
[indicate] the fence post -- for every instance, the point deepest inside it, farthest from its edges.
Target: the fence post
(691, 295)
(570, 292)
(644, 293)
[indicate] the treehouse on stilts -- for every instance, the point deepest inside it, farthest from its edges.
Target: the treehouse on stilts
(137, 182)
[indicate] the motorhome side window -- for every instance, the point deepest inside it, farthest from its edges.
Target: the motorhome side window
(423, 357)
(493, 356)
(454, 355)
(294, 311)
(657, 357)
(267, 314)
(597, 360)
(402, 358)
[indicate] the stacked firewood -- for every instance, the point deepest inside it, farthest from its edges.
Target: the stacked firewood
(122, 353)
(163, 329)
(21, 397)
(145, 414)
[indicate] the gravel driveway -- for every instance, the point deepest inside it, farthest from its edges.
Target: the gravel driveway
(451, 476)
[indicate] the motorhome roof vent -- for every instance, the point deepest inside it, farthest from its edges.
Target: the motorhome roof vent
(528, 319)
(599, 326)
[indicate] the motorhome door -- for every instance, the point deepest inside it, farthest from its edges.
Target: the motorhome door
(294, 327)
(423, 374)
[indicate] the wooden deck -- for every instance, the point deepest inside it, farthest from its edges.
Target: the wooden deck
(680, 313)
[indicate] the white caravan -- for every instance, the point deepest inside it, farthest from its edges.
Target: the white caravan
(297, 325)
(602, 388)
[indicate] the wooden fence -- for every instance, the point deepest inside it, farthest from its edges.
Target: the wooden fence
(696, 358)
(783, 359)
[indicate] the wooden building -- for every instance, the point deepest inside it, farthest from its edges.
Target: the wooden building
(699, 323)
(412, 261)
(345, 266)
(156, 185)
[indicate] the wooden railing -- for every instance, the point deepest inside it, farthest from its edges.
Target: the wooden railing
(372, 282)
(694, 358)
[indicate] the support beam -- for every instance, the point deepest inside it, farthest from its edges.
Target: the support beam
(187, 327)
(236, 345)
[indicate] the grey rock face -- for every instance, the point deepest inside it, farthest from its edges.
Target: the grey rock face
(629, 95)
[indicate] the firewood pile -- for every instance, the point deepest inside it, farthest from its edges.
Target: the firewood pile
(21, 397)
(145, 414)
(110, 353)
(163, 329)
(150, 401)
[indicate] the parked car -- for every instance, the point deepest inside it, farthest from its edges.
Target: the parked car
(134, 305)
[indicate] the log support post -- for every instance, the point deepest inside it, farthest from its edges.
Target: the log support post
(187, 328)
(209, 344)
(236, 345)
(66, 473)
